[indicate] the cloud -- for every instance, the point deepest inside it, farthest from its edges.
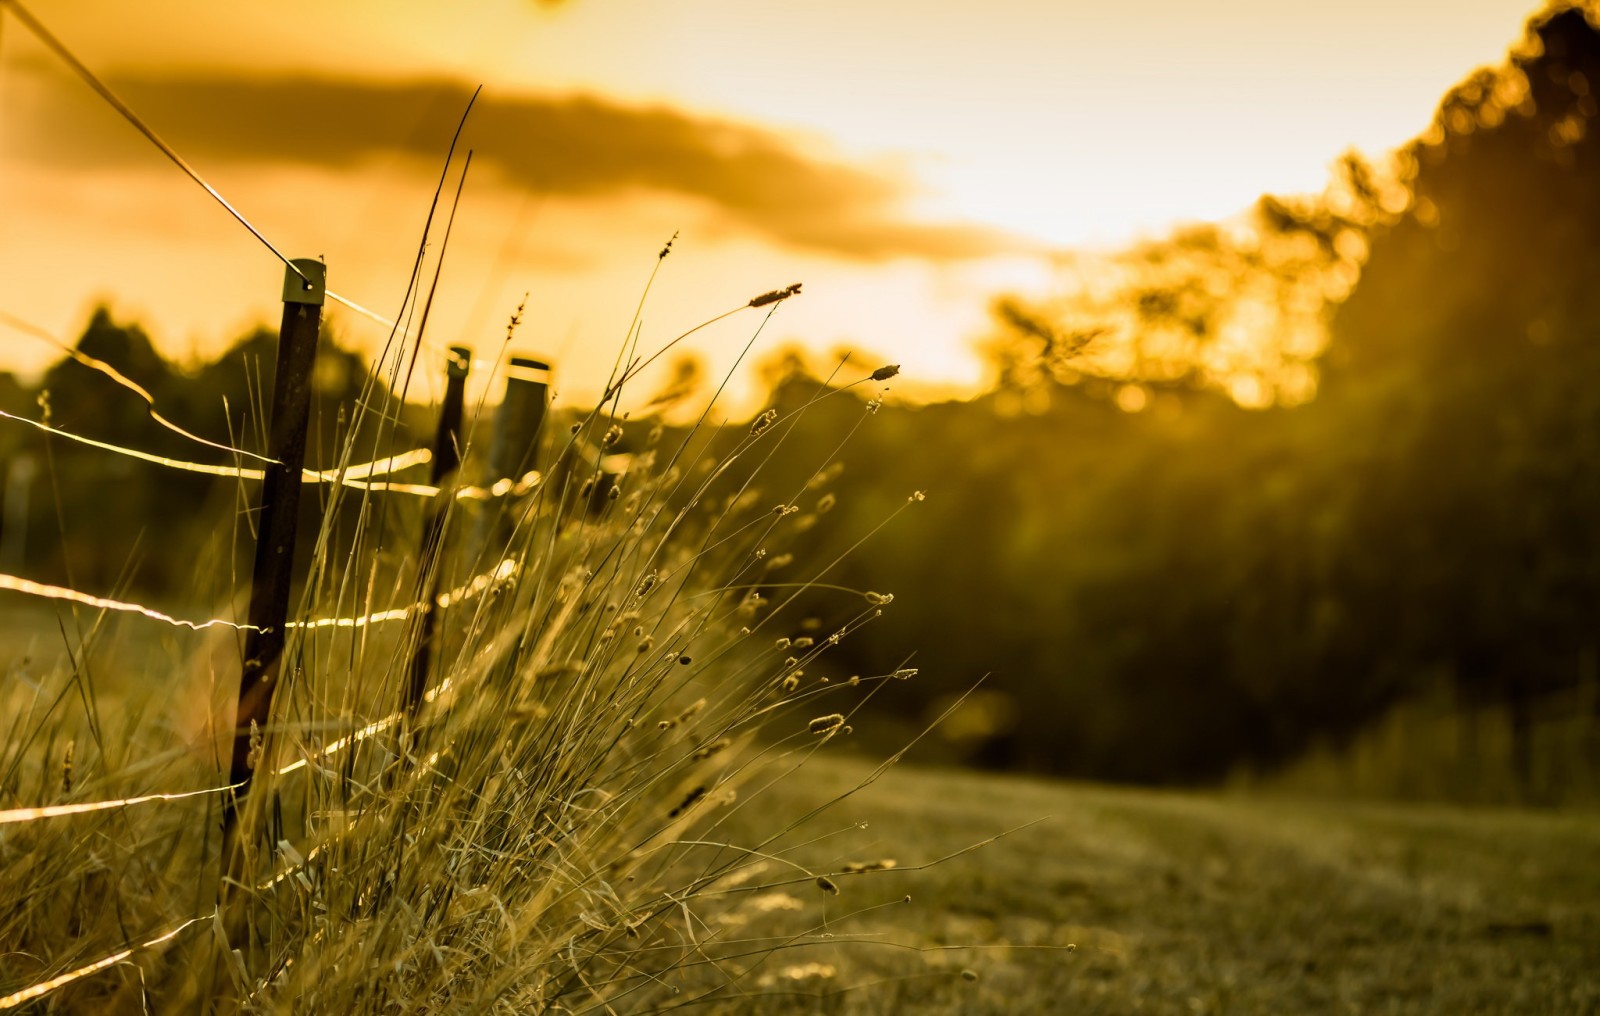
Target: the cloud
(573, 146)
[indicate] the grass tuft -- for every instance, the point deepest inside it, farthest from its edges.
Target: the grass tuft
(538, 833)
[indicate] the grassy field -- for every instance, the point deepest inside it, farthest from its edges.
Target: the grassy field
(1187, 903)
(1110, 900)
(579, 827)
(1095, 900)
(1170, 902)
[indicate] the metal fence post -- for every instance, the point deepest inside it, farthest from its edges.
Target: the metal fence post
(430, 570)
(304, 287)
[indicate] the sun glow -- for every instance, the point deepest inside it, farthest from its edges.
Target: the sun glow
(954, 151)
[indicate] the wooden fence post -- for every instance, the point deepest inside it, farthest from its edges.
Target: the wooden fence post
(304, 286)
(430, 570)
(514, 449)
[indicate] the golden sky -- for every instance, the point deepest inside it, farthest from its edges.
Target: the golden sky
(904, 161)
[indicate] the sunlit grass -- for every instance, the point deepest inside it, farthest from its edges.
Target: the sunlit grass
(547, 834)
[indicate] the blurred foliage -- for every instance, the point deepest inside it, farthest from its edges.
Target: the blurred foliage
(1173, 564)
(99, 521)
(1234, 492)
(1236, 306)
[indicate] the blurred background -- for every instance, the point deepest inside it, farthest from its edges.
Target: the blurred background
(1250, 359)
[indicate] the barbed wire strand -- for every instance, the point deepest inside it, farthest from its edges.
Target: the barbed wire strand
(472, 587)
(14, 816)
(354, 476)
(43, 988)
(17, 324)
(17, 584)
(116, 102)
(103, 90)
(505, 570)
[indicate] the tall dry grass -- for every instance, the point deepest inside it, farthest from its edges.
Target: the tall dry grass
(615, 682)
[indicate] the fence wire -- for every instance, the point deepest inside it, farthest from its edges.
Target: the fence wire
(356, 476)
(17, 324)
(472, 587)
(43, 988)
(16, 816)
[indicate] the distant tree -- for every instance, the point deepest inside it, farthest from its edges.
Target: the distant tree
(99, 520)
(1467, 364)
(1170, 591)
(1239, 307)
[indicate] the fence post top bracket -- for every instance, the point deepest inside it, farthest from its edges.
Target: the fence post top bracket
(526, 368)
(312, 289)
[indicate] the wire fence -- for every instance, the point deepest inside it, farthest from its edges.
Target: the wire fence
(373, 476)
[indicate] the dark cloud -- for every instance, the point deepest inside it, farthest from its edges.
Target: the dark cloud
(569, 145)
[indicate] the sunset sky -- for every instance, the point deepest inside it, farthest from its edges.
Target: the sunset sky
(905, 162)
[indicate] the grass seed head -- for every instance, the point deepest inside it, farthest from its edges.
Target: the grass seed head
(689, 801)
(775, 295)
(254, 755)
(711, 749)
(827, 724)
(858, 867)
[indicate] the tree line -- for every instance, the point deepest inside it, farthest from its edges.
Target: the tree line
(1149, 552)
